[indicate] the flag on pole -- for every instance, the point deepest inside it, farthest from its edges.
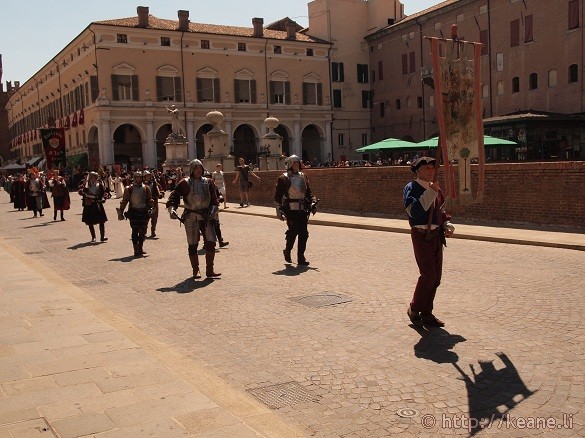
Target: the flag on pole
(54, 146)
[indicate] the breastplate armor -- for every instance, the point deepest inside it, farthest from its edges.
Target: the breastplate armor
(93, 191)
(35, 186)
(138, 197)
(297, 188)
(199, 196)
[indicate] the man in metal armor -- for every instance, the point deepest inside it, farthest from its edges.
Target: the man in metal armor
(34, 194)
(94, 195)
(157, 193)
(200, 201)
(139, 200)
(294, 202)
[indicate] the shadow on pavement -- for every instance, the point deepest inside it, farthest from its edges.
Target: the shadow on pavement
(436, 345)
(491, 389)
(187, 286)
(44, 224)
(82, 245)
(291, 270)
(127, 259)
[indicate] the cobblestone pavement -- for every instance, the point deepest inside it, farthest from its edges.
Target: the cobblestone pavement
(334, 335)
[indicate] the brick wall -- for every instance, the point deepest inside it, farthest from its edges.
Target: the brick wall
(520, 193)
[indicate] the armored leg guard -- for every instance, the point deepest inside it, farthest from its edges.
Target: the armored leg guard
(290, 241)
(209, 258)
(302, 246)
(92, 231)
(103, 237)
(194, 259)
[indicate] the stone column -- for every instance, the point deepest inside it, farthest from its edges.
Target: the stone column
(297, 148)
(106, 146)
(192, 147)
(228, 131)
(150, 146)
(327, 147)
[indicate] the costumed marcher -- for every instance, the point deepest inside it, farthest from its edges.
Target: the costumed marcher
(60, 194)
(8, 187)
(215, 220)
(243, 173)
(36, 196)
(200, 200)
(219, 180)
(294, 202)
(156, 193)
(429, 222)
(18, 192)
(94, 195)
(138, 198)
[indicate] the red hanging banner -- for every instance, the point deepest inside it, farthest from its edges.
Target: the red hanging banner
(54, 146)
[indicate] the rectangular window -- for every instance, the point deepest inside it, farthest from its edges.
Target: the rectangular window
(205, 44)
(336, 98)
(207, 89)
(364, 139)
(380, 70)
(340, 139)
(122, 38)
(168, 89)
(365, 99)
(516, 84)
(337, 72)
(280, 92)
(309, 52)
(278, 50)
(373, 75)
(362, 73)
(528, 29)
(382, 109)
(312, 93)
(412, 62)
(514, 33)
(124, 87)
(245, 90)
(405, 63)
(573, 14)
(241, 47)
(165, 41)
(483, 39)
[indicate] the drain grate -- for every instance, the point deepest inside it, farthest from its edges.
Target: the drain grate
(60, 239)
(283, 394)
(37, 427)
(91, 282)
(322, 300)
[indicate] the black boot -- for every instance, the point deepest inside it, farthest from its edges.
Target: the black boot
(55, 215)
(92, 231)
(194, 259)
(62, 217)
(209, 258)
(302, 246)
(103, 237)
(290, 241)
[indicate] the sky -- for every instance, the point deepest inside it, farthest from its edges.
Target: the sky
(33, 31)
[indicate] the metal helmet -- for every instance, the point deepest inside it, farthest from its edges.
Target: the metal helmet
(292, 159)
(194, 164)
(137, 174)
(147, 172)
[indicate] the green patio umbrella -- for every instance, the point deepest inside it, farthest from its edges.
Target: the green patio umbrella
(387, 144)
(488, 140)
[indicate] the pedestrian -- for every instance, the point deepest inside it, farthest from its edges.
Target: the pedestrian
(219, 181)
(156, 193)
(18, 192)
(198, 194)
(94, 195)
(138, 198)
(429, 222)
(243, 174)
(36, 197)
(294, 202)
(60, 194)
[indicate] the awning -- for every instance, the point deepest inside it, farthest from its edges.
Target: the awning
(33, 161)
(389, 143)
(14, 166)
(488, 141)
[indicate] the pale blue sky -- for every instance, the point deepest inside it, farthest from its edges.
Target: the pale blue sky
(33, 31)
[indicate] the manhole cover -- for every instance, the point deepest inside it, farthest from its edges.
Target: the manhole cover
(407, 412)
(60, 239)
(322, 300)
(34, 252)
(283, 394)
(37, 427)
(91, 282)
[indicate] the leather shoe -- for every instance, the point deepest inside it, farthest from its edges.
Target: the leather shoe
(303, 262)
(415, 317)
(432, 321)
(222, 244)
(287, 257)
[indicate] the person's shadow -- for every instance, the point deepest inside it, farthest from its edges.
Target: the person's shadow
(82, 245)
(436, 345)
(126, 259)
(187, 286)
(291, 270)
(491, 388)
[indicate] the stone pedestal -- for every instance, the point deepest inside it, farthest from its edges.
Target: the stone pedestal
(176, 146)
(271, 147)
(216, 145)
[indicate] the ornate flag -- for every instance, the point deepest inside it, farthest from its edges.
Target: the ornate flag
(67, 122)
(54, 146)
(81, 117)
(74, 121)
(459, 113)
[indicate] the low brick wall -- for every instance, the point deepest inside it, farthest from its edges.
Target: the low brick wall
(551, 194)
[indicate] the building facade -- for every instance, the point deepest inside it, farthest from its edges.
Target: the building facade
(111, 88)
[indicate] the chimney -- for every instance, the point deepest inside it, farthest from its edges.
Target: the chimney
(258, 29)
(183, 20)
(142, 12)
(291, 33)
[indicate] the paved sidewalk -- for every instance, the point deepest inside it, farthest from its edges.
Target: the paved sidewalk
(70, 367)
(519, 236)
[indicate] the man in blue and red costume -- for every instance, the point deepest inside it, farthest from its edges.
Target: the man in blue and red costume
(429, 222)
(198, 194)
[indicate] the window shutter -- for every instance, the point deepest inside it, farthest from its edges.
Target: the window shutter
(272, 96)
(483, 38)
(341, 75)
(135, 87)
(412, 62)
(319, 94)
(305, 87)
(178, 89)
(236, 91)
(199, 87)
(528, 28)
(159, 89)
(115, 95)
(253, 90)
(514, 33)
(216, 90)
(573, 14)
(404, 63)
(287, 93)
(334, 71)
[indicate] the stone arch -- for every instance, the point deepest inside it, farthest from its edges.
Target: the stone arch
(93, 147)
(311, 143)
(245, 143)
(128, 146)
(160, 138)
(199, 139)
(286, 135)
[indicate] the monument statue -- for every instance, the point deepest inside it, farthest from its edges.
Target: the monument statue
(176, 127)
